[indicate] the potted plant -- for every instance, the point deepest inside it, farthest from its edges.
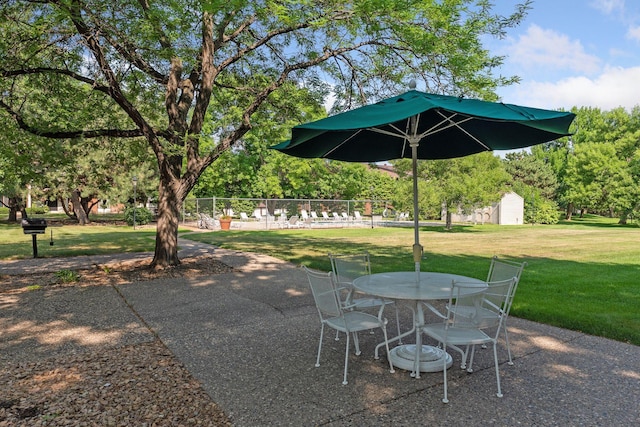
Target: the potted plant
(225, 222)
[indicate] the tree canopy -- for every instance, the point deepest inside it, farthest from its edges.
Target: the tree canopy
(190, 78)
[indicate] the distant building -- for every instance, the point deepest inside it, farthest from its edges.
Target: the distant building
(509, 211)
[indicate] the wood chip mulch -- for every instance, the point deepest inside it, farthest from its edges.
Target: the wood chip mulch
(135, 385)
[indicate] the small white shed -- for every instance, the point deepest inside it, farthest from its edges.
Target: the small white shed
(511, 209)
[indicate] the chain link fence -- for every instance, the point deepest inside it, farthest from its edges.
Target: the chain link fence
(285, 213)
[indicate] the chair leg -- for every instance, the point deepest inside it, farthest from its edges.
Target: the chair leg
(506, 339)
(356, 342)
(465, 356)
(495, 357)
(473, 352)
(445, 399)
(386, 343)
(320, 345)
(346, 361)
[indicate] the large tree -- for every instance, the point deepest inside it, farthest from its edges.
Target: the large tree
(78, 69)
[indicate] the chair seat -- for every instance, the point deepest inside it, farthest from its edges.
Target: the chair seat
(457, 335)
(354, 321)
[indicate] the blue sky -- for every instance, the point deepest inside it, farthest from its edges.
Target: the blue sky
(573, 53)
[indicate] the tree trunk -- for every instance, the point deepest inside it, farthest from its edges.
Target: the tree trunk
(169, 205)
(448, 220)
(569, 212)
(15, 206)
(78, 210)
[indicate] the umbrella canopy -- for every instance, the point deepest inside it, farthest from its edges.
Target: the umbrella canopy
(421, 125)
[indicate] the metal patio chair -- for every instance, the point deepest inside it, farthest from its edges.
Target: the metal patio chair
(499, 270)
(468, 330)
(334, 315)
(346, 268)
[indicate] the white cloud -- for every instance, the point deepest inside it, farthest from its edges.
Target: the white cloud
(549, 49)
(634, 33)
(614, 87)
(608, 6)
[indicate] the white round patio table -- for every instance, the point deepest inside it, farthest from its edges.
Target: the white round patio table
(415, 288)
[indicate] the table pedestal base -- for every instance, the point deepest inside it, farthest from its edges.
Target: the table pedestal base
(430, 358)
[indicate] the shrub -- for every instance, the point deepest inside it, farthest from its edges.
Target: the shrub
(37, 210)
(143, 216)
(544, 212)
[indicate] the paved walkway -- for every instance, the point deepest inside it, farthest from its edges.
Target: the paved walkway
(250, 337)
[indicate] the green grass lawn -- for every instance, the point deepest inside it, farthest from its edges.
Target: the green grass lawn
(581, 275)
(73, 240)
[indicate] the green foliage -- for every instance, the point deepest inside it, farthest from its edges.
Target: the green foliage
(197, 79)
(465, 183)
(143, 215)
(597, 168)
(37, 210)
(541, 211)
(67, 276)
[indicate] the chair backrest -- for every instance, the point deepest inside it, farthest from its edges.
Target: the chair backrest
(325, 215)
(356, 215)
(348, 267)
(243, 216)
(314, 215)
(304, 214)
(324, 293)
(502, 270)
(483, 309)
(294, 220)
(335, 215)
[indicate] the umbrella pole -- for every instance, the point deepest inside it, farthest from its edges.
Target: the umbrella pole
(417, 248)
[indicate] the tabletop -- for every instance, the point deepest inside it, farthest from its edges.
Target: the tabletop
(404, 285)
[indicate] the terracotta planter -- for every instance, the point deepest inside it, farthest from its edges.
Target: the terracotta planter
(225, 224)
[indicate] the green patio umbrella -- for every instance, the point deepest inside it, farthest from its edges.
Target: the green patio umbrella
(419, 125)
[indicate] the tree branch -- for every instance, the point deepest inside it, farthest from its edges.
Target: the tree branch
(45, 70)
(94, 133)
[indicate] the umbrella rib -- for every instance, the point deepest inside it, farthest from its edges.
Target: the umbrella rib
(453, 123)
(400, 133)
(342, 143)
